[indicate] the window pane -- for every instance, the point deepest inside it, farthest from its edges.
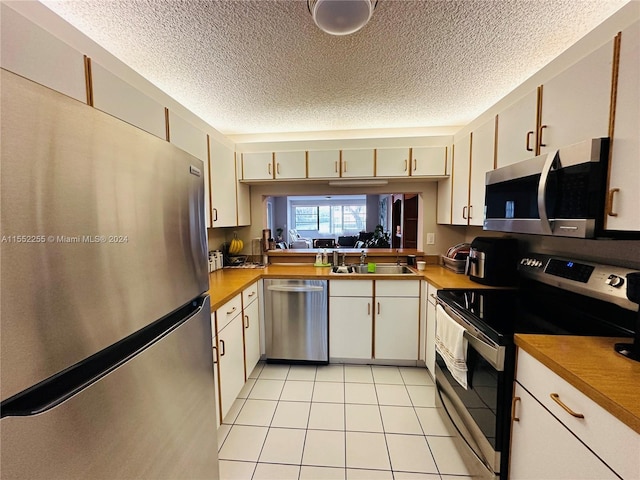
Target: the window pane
(306, 218)
(354, 217)
(324, 219)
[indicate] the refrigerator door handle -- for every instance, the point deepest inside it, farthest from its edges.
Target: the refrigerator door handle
(67, 383)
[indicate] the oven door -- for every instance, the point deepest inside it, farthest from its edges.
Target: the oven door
(480, 413)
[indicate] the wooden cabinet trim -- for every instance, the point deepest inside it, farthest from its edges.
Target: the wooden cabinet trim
(88, 78)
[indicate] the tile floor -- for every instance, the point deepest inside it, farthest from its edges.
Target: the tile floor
(344, 422)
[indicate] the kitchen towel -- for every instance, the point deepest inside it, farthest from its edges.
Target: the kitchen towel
(451, 345)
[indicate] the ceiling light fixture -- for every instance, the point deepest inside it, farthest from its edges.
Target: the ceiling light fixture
(341, 17)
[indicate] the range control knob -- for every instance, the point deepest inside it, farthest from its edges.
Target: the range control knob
(615, 281)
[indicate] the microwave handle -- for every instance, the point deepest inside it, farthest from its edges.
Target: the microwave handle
(542, 187)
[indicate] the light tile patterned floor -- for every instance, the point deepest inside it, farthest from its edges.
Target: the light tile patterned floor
(339, 422)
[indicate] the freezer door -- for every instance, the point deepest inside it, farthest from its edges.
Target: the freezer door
(102, 229)
(153, 417)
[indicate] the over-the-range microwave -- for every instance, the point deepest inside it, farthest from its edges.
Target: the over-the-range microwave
(560, 193)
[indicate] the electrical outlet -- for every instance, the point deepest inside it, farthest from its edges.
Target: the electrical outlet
(431, 238)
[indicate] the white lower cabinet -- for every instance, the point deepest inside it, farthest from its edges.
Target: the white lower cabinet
(251, 319)
(229, 328)
(397, 311)
(550, 442)
(351, 319)
(428, 329)
(364, 326)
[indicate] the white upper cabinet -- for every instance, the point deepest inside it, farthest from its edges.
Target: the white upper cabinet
(428, 161)
(392, 162)
(517, 131)
(443, 215)
(257, 166)
(223, 185)
(116, 97)
(575, 103)
(482, 159)
(34, 53)
(243, 199)
(460, 181)
(324, 163)
(624, 177)
(357, 163)
(290, 165)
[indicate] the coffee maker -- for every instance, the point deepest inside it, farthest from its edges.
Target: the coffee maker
(632, 350)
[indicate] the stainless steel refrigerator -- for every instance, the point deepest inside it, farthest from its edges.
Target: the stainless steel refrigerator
(106, 362)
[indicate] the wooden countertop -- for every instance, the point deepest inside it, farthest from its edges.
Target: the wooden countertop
(226, 283)
(592, 366)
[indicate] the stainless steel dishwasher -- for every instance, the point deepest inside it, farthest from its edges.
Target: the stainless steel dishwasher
(296, 320)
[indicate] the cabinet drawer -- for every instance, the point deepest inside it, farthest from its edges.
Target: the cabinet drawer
(351, 288)
(604, 434)
(397, 288)
(228, 312)
(249, 294)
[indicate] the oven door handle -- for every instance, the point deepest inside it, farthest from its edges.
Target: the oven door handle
(489, 350)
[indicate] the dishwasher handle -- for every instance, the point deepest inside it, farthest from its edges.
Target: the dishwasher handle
(295, 288)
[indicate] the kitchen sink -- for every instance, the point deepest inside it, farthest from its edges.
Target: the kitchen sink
(381, 269)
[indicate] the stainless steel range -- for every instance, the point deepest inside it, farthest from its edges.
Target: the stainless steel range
(557, 295)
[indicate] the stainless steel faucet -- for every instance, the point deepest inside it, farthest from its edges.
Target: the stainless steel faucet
(363, 257)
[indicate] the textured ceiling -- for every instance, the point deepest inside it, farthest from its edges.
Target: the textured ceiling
(262, 66)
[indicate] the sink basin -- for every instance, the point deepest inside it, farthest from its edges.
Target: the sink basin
(380, 270)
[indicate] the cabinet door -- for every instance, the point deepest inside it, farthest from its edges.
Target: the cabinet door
(324, 164)
(516, 131)
(350, 327)
(116, 97)
(33, 53)
(214, 351)
(428, 161)
(482, 158)
(624, 194)
(396, 328)
(251, 335)
(541, 447)
(257, 166)
(575, 103)
(230, 363)
(243, 198)
(392, 162)
(223, 185)
(460, 181)
(290, 165)
(357, 163)
(443, 215)
(430, 347)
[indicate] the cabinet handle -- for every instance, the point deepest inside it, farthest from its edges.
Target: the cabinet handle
(215, 354)
(215, 214)
(269, 167)
(278, 168)
(232, 310)
(336, 165)
(464, 212)
(345, 165)
(556, 398)
(432, 296)
(514, 402)
(529, 149)
(368, 309)
(405, 164)
(610, 211)
(378, 308)
(542, 127)
(415, 164)
(246, 317)
(224, 350)
(251, 294)
(470, 211)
